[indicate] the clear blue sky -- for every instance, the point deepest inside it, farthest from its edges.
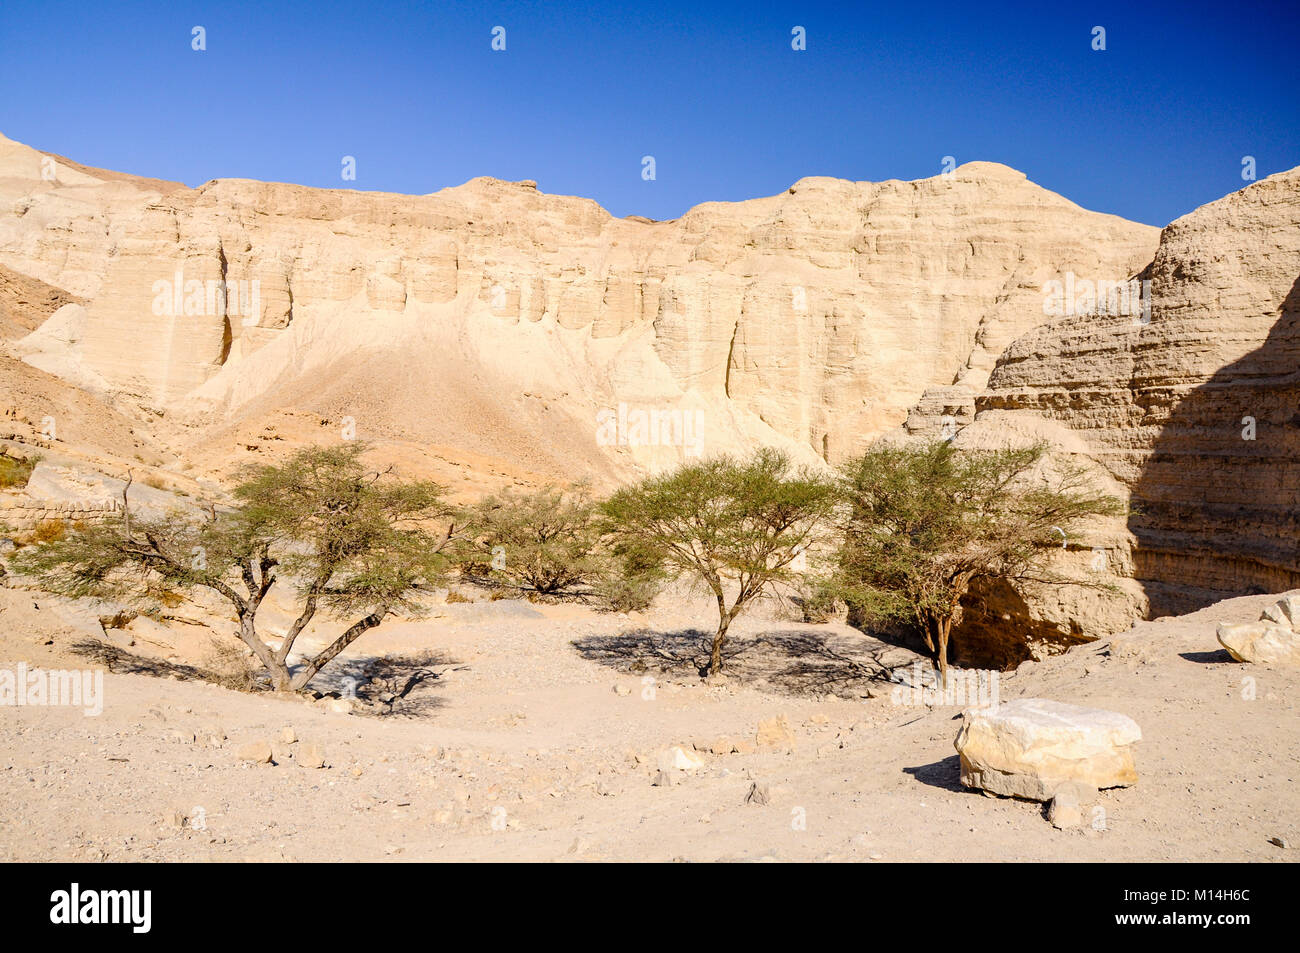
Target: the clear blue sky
(1152, 127)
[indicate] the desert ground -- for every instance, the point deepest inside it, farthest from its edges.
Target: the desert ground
(537, 732)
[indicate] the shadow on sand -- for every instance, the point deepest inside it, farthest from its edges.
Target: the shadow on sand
(945, 774)
(793, 662)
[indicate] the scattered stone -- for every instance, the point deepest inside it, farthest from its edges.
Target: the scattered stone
(1279, 842)
(288, 735)
(1064, 810)
(774, 734)
(621, 689)
(311, 755)
(759, 794)
(679, 759)
(257, 752)
(719, 746)
(1029, 747)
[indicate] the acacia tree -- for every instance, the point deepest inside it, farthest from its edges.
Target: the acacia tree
(547, 541)
(923, 522)
(735, 525)
(353, 542)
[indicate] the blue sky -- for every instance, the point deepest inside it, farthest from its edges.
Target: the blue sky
(1150, 128)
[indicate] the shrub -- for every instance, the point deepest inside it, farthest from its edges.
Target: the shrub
(546, 541)
(15, 471)
(736, 525)
(357, 543)
(925, 521)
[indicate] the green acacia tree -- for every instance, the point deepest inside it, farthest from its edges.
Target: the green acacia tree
(736, 525)
(547, 541)
(354, 543)
(923, 522)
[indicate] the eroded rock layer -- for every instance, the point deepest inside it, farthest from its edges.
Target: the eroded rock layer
(498, 316)
(1196, 412)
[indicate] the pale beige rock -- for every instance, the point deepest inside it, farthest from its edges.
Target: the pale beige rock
(310, 755)
(775, 734)
(258, 752)
(1031, 747)
(679, 759)
(1274, 638)
(1190, 414)
(813, 319)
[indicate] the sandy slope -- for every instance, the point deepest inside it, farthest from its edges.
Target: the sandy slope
(525, 729)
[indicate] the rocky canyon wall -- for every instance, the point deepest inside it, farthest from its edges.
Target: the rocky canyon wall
(498, 316)
(1193, 414)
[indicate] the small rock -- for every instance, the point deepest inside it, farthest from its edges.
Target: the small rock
(621, 689)
(759, 794)
(1064, 810)
(288, 735)
(679, 759)
(774, 734)
(257, 752)
(311, 755)
(1279, 842)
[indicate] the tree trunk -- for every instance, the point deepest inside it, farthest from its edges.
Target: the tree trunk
(945, 627)
(278, 671)
(308, 671)
(715, 656)
(724, 622)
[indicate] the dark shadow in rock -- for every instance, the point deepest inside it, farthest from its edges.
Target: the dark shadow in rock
(1217, 515)
(1208, 658)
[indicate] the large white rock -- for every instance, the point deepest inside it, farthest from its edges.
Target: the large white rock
(1030, 747)
(1273, 639)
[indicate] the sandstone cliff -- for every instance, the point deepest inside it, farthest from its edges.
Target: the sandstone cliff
(1194, 414)
(501, 321)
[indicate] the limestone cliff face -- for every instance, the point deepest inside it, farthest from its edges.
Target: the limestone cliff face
(1194, 414)
(814, 319)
